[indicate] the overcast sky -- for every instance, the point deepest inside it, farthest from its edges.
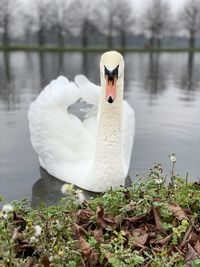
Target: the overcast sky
(175, 4)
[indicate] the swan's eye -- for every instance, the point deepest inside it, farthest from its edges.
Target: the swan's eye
(111, 74)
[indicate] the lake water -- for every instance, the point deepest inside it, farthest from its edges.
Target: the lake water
(164, 90)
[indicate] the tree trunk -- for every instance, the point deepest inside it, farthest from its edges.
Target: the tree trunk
(191, 41)
(123, 38)
(41, 36)
(152, 41)
(61, 42)
(6, 39)
(158, 42)
(110, 33)
(84, 39)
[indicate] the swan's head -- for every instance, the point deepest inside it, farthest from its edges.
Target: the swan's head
(112, 69)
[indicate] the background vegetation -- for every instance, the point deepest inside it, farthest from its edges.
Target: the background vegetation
(98, 23)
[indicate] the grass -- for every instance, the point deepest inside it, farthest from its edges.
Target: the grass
(149, 224)
(32, 48)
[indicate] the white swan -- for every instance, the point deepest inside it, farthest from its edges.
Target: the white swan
(93, 154)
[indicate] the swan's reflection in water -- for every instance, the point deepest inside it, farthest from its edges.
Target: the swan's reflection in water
(47, 190)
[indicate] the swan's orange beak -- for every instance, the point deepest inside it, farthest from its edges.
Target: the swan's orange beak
(110, 89)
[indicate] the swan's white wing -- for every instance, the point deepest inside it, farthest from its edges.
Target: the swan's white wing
(64, 143)
(128, 134)
(89, 92)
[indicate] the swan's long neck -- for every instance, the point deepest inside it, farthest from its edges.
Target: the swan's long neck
(107, 170)
(109, 128)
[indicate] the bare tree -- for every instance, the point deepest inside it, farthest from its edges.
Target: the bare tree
(156, 21)
(36, 18)
(88, 18)
(189, 18)
(63, 19)
(125, 20)
(116, 20)
(107, 17)
(7, 14)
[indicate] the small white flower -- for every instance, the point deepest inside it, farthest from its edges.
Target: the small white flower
(66, 188)
(38, 230)
(80, 195)
(158, 180)
(50, 258)
(5, 216)
(33, 239)
(7, 208)
(173, 157)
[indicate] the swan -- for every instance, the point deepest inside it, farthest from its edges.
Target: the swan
(93, 153)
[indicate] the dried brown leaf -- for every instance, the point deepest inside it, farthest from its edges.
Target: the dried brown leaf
(84, 214)
(178, 212)
(101, 220)
(29, 263)
(190, 255)
(90, 254)
(197, 247)
(98, 234)
(186, 237)
(45, 261)
(165, 240)
(84, 246)
(79, 230)
(93, 259)
(194, 236)
(135, 218)
(142, 239)
(157, 220)
(139, 231)
(18, 218)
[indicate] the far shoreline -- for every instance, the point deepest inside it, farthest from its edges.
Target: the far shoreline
(93, 49)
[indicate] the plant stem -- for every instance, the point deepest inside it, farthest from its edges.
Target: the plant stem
(186, 179)
(172, 175)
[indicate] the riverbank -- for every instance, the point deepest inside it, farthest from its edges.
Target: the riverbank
(149, 224)
(92, 49)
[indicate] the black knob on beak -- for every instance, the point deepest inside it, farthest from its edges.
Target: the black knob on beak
(110, 100)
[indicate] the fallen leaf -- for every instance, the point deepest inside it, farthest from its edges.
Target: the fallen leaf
(98, 234)
(190, 255)
(178, 212)
(29, 263)
(135, 218)
(101, 220)
(157, 220)
(84, 215)
(93, 259)
(84, 246)
(45, 261)
(197, 247)
(186, 237)
(165, 240)
(90, 254)
(142, 239)
(79, 230)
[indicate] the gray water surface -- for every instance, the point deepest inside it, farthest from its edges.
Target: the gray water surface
(164, 90)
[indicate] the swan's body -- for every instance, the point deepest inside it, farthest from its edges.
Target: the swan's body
(93, 154)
